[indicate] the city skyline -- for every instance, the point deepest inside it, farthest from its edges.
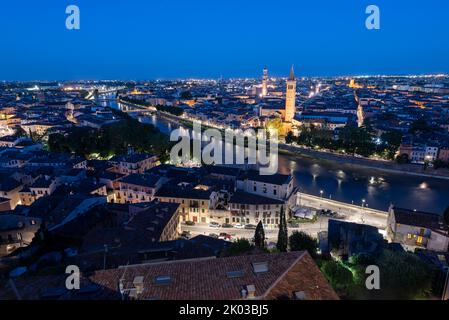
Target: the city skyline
(179, 40)
(204, 151)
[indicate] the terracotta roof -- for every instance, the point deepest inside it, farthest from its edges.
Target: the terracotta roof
(209, 279)
(199, 279)
(249, 198)
(420, 219)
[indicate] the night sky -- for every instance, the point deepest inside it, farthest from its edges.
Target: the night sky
(149, 39)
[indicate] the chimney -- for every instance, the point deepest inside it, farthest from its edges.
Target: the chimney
(300, 295)
(251, 289)
(138, 284)
(244, 293)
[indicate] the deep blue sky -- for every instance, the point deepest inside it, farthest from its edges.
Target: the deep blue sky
(149, 39)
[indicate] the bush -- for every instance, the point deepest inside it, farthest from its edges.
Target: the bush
(239, 247)
(300, 241)
(338, 276)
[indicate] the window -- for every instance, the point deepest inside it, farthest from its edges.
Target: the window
(260, 267)
(420, 240)
(162, 280)
(235, 274)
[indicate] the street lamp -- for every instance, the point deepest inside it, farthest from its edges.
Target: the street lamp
(363, 210)
(446, 287)
(321, 193)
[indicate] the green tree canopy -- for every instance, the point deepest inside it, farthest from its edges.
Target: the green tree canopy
(259, 236)
(289, 138)
(186, 95)
(300, 241)
(338, 276)
(239, 247)
(403, 275)
(282, 243)
(113, 139)
(446, 216)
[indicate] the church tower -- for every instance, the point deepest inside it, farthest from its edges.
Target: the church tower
(290, 99)
(265, 82)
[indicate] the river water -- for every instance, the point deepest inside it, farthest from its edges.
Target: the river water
(352, 185)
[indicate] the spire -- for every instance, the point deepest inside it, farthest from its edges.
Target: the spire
(292, 74)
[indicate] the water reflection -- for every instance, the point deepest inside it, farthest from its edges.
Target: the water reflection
(350, 185)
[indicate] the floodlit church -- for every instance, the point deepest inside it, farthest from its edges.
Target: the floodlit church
(286, 110)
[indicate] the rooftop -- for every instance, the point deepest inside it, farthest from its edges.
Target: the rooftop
(248, 198)
(272, 276)
(420, 219)
(254, 175)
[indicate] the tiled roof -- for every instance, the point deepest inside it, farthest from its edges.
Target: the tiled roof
(199, 279)
(277, 178)
(419, 219)
(147, 180)
(184, 193)
(9, 184)
(133, 158)
(248, 198)
(144, 228)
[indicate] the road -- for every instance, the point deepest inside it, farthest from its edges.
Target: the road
(271, 234)
(351, 213)
(347, 212)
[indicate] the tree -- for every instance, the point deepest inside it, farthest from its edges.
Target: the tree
(275, 125)
(20, 133)
(402, 159)
(338, 276)
(239, 247)
(300, 241)
(289, 138)
(391, 142)
(283, 233)
(446, 216)
(186, 95)
(438, 164)
(420, 125)
(259, 236)
(404, 276)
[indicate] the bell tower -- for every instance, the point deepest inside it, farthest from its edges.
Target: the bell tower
(265, 82)
(290, 98)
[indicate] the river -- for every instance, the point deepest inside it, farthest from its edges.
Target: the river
(352, 185)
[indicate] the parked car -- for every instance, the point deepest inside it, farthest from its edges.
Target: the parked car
(190, 223)
(293, 225)
(186, 235)
(239, 226)
(227, 225)
(214, 225)
(214, 235)
(250, 227)
(225, 236)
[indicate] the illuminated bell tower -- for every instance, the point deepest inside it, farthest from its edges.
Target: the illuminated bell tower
(290, 99)
(265, 82)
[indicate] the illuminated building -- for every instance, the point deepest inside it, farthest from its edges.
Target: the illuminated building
(265, 82)
(290, 99)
